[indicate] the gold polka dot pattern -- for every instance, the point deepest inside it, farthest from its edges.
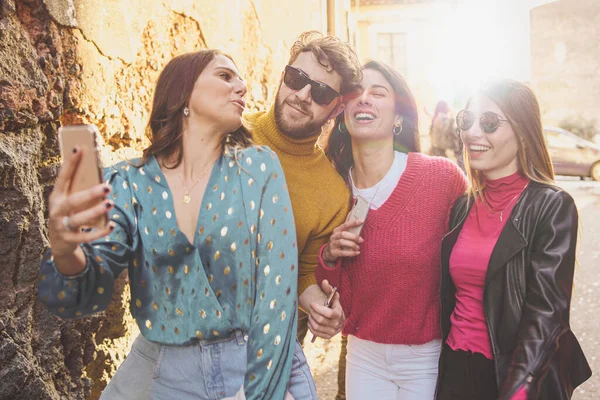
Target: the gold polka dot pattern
(182, 292)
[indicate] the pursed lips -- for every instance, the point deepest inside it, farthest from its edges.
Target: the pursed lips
(240, 102)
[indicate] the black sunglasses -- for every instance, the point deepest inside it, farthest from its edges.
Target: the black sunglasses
(489, 121)
(321, 93)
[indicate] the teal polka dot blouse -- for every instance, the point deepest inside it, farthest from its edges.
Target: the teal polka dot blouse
(239, 272)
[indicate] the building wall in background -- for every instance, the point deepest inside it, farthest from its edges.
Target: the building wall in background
(69, 61)
(565, 54)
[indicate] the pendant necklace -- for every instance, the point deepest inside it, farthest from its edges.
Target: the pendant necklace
(509, 203)
(186, 197)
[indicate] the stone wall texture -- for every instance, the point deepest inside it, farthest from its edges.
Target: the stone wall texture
(89, 61)
(565, 59)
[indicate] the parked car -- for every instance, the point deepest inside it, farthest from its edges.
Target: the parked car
(572, 155)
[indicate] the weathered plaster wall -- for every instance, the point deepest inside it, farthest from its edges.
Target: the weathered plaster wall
(565, 60)
(65, 61)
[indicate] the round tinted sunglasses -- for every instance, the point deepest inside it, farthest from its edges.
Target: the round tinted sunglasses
(489, 121)
(321, 93)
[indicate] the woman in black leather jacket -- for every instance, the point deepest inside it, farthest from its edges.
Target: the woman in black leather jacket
(508, 261)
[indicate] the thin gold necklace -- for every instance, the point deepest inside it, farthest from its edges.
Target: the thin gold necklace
(186, 197)
(509, 203)
(376, 190)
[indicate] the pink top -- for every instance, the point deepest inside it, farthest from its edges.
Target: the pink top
(469, 263)
(390, 291)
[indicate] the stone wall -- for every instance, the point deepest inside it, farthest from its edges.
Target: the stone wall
(71, 61)
(565, 60)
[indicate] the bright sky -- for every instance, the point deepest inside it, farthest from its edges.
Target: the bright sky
(482, 39)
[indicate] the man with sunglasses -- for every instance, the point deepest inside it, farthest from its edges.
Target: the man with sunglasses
(320, 71)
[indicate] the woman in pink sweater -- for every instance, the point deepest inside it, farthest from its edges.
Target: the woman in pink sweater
(508, 263)
(389, 276)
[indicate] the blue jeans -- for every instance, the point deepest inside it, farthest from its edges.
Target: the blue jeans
(301, 385)
(207, 370)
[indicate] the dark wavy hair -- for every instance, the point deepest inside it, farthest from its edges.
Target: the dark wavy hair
(171, 95)
(339, 146)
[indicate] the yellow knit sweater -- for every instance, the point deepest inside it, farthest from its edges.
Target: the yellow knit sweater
(319, 195)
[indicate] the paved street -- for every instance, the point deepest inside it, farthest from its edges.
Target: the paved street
(585, 306)
(585, 320)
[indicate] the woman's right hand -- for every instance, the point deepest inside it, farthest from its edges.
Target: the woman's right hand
(343, 243)
(68, 212)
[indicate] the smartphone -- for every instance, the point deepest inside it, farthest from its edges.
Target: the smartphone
(328, 305)
(330, 298)
(89, 170)
(360, 210)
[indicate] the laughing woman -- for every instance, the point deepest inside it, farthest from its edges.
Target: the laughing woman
(508, 263)
(389, 276)
(204, 226)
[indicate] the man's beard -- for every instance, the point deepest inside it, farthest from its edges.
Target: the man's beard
(296, 131)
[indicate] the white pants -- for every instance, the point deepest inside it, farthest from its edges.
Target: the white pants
(391, 371)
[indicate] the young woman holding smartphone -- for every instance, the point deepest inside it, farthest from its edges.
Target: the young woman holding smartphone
(204, 226)
(508, 262)
(389, 282)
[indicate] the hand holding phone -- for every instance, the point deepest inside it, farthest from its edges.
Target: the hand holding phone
(359, 211)
(345, 239)
(78, 200)
(328, 304)
(88, 172)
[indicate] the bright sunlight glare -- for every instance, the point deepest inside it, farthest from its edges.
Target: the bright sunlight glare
(478, 40)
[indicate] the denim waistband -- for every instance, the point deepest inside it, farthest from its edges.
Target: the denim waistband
(149, 347)
(237, 334)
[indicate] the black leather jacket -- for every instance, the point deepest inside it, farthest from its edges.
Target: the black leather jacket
(527, 295)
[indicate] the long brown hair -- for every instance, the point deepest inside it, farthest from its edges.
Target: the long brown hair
(171, 95)
(339, 146)
(520, 106)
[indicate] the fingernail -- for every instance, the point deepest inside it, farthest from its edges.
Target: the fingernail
(106, 189)
(108, 204)
(74, 150)
(112, 226)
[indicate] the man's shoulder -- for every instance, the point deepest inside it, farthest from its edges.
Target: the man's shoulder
(328, 170)
(324, 171)
(251, 120)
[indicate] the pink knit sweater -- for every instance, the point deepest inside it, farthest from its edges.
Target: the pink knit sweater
(390, 292)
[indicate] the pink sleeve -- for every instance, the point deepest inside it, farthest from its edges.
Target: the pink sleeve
(333, 275)
(520, 394)
(457, 187)
(460, 183)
